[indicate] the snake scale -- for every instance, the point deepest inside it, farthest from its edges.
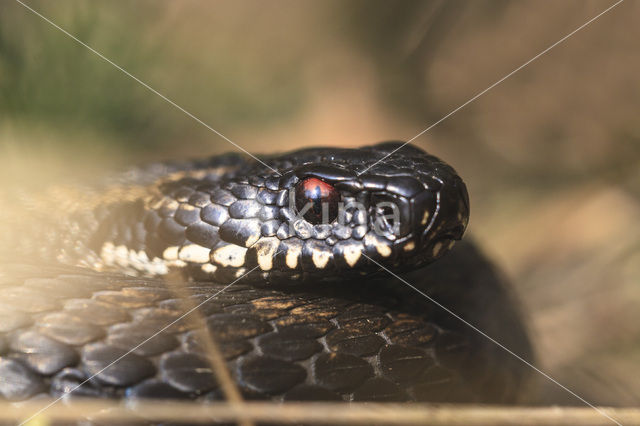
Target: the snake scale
(281, 264)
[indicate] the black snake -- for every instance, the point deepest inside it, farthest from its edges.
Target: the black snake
(311, 314)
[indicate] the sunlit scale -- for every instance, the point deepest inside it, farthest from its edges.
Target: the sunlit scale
(317, 201)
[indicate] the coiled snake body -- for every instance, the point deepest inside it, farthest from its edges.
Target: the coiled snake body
(311, 314)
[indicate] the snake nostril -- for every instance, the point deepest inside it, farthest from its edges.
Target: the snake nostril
(391, 215)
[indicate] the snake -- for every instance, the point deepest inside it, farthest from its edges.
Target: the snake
(313, 273)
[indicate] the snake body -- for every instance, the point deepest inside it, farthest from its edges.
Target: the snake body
(299, 308)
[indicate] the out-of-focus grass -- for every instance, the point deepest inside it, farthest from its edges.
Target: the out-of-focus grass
(48, 79)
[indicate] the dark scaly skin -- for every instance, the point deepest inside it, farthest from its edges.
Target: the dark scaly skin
(336, 334)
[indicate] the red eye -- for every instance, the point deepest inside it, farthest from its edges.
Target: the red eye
(317, 201)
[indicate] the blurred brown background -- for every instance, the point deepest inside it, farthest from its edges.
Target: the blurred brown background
(551, 156)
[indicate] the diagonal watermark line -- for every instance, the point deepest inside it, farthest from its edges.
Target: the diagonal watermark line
(145, 85)
(140, 344)
(494, 84)
(467, 323)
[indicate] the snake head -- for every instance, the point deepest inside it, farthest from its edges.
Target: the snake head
(349, 210)
(308, 215)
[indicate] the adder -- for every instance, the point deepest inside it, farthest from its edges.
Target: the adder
(297, 266)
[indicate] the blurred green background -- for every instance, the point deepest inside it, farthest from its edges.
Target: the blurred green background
(551, 156)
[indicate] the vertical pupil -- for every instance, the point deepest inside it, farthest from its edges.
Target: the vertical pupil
(317, 201)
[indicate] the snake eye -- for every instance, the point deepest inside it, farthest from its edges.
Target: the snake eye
(317, 201)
